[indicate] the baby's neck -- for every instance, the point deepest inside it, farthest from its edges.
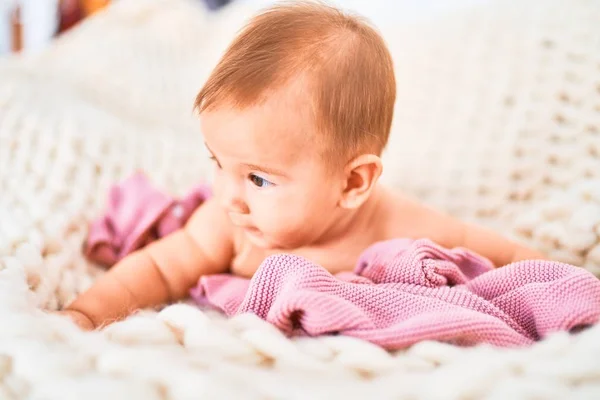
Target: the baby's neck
(358, 221)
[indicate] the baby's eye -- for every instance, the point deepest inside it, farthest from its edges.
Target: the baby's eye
(258, 181)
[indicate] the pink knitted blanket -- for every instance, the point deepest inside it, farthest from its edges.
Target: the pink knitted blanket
(405, 291)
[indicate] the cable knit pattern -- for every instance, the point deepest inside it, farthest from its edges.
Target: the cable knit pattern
(497, 121)
(413, 291)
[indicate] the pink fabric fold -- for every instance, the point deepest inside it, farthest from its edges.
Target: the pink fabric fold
(404, 291)
(136, 214)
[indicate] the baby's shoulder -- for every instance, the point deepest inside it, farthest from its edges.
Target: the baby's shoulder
(208, 214)
(409, 218)
(396, 205)
(210, 225)
(402, 215)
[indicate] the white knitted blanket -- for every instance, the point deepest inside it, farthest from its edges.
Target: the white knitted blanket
(498, 121)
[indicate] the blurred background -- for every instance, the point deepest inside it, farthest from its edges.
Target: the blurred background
(497, 119)
(32, 24)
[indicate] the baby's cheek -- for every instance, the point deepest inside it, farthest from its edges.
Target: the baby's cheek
(280, 217)
(265, 212)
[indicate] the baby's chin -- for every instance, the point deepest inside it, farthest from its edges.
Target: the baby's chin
(259, 239)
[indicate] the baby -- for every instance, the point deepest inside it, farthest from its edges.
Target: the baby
(296, 116)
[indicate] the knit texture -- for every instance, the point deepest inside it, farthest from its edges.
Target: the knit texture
(405, 291)
(497, 121)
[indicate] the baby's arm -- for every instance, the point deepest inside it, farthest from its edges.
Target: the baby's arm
(497, 248)
(451, 232)
(164, 271)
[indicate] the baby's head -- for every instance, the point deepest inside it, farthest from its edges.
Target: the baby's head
(296, 115)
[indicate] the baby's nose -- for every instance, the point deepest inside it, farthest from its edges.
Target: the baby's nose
(235, 205)
(232, 202)
(230, 195)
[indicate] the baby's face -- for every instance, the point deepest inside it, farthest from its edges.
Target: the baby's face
(270, 175)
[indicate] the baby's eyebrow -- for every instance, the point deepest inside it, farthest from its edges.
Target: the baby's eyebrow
(266, 170)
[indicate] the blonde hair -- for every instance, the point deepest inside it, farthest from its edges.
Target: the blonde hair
(349, 67)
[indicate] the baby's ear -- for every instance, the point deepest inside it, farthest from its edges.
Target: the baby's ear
(361, 175)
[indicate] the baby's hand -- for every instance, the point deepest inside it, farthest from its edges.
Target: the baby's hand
(79, 318)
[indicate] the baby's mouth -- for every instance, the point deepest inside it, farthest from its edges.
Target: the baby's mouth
(252, 230)
(249, 229)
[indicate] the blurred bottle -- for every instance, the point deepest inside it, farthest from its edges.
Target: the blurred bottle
(70, 13)
(33, 24)
(29, 25)
(16, 29)
(92, 6)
